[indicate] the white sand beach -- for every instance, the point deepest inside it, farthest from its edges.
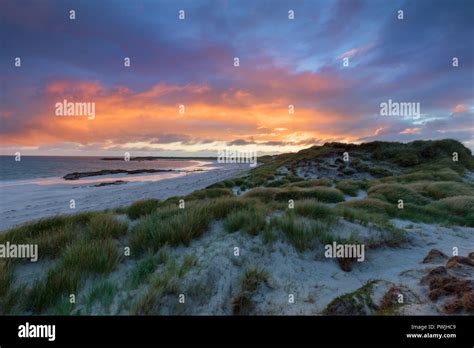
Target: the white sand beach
(24, 202)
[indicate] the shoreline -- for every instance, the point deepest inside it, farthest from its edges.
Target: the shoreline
(24, 203)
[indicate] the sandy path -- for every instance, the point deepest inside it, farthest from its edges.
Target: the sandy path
(19, 204)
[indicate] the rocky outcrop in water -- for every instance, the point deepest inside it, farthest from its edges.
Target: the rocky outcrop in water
(79, 175)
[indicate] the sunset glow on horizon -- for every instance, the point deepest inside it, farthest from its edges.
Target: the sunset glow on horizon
(191, 63)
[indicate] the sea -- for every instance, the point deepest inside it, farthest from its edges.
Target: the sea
(38, 169)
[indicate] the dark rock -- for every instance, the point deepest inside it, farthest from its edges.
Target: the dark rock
(348, 171)
(346, 263)
(78, 175)
(435, 256)
(116, 182)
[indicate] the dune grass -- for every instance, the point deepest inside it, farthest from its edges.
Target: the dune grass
(147, 266)
(459, 205)
(182, 227)
(350, 187)
(361, 216)
(27, 233)
(371, 205)
(301, 233)
(312, 208)
(80, 260)
(443, 189)
(99, 257)
(142, 208)
(105, 226)
(174, 226)
(394, 192)
(312, 183)
(442, 174)
(53, 235)
(251, 220)
(209, 193)
(103, 293)
(165, 282)
(242, 303)
(321, 193)
(6, 277)
(45, 293)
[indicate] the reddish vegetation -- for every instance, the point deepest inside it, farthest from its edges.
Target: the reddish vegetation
(451, 284)
(457, 260)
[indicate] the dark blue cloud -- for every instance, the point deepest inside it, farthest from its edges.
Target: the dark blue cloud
(408, 60)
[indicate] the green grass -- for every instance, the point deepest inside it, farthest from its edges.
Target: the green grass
(312, 183)
(141, 272)
(105, 226)
(242, 303)
(444, 189)
(300, 233)
(229, 183)
(433, 213)
(460, 205)
(80, 260)
(313, 209)
(28, 233)
(221, 207)
(59, 282)
(53, 235)
(252, 220)
(103, 293)
(53, 242)
(350, 187)
(165, 282)
(393, 192)
(268, 235)
(321, 193)
(418, 153)
(441, 174)
(379, 172)
(154, 231)
(174, 226)
(209, 193)
(278, 183)
(361, 216)
(6, 277)
(99, 257)
(370, 205)
(142, 208)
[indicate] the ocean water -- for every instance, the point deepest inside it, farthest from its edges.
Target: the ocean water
(36, 167)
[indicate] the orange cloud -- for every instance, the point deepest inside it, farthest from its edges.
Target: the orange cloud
(410, 131)
(127, 118)
(460, 108)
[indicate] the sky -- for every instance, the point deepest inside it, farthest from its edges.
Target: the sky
(190, 62)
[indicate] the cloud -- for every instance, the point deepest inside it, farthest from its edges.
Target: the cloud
(410, 131)
(460, 108)
(191, 63)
